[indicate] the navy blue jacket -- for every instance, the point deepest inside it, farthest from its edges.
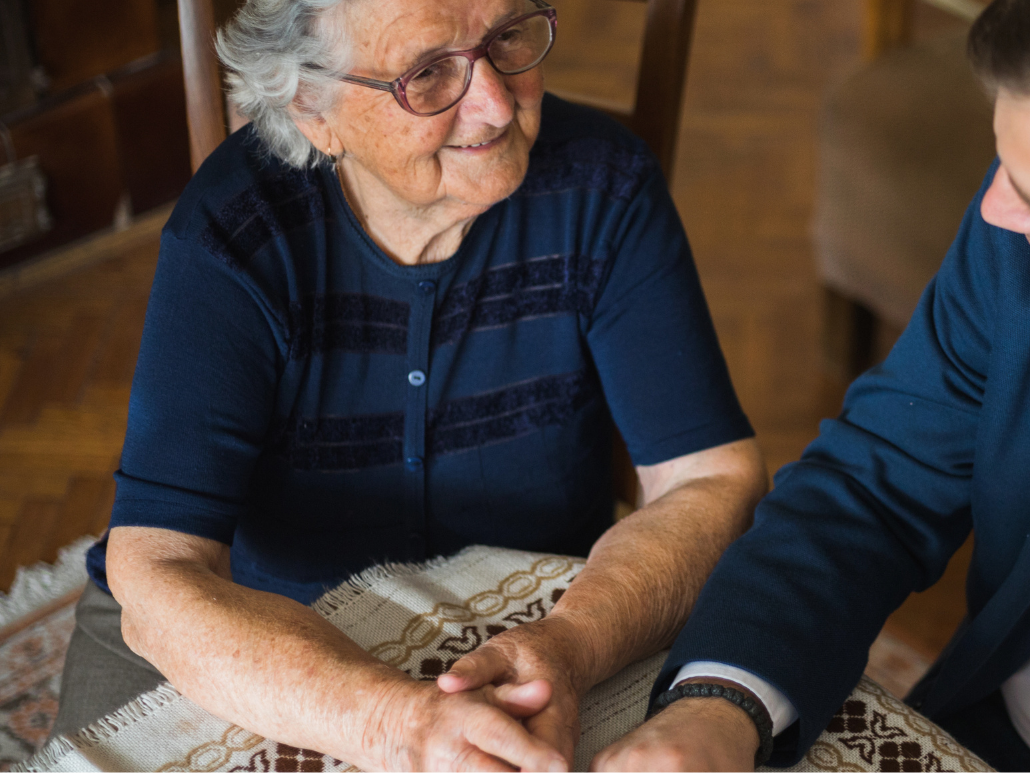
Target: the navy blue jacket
(931, 444)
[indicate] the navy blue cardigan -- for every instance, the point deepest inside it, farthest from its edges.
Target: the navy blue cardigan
(305, 399)
(931, 444)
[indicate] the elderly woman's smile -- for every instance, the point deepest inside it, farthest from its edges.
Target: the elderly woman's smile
(481, 145)
(484, 144)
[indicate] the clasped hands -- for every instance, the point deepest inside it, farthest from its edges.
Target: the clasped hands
(513, 704)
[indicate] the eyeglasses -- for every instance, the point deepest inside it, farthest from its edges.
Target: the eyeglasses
(432, 87)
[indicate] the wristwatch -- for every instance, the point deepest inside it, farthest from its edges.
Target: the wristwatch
(754, 709)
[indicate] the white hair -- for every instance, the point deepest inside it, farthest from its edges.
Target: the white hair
(269, 48)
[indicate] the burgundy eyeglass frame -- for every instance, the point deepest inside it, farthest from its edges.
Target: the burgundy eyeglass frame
(398, 85)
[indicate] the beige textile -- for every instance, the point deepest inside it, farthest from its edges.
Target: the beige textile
(421, 619)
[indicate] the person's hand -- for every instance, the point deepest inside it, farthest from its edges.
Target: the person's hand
(416, 726)
(541, 650)
(690, 734)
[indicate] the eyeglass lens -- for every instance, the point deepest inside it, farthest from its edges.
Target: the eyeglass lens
(516, 49)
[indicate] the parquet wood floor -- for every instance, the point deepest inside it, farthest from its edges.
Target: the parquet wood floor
(67, 352)
(744, 184)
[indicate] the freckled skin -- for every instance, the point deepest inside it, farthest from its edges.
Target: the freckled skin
(415, 190)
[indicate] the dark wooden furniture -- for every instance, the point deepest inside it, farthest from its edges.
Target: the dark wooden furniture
(16, 62)
(84, 188)
(76, 40)
(150, 112)
(904, 144)
(92, 92)
(109, 148)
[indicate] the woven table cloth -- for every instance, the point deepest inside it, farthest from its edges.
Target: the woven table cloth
(423, 618)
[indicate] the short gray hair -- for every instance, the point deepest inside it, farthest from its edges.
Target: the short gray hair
(266, 48)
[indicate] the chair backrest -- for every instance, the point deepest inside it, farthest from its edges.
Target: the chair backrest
(664, 57)
(655, 116)
(205, 105)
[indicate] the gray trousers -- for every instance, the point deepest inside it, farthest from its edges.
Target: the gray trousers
(101, 673)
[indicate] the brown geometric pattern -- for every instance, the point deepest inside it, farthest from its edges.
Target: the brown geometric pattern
(873, 730)
(289, 759)
(424, 628)
(214, 755)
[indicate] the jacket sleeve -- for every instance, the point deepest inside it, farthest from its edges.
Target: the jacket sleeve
(874, 509)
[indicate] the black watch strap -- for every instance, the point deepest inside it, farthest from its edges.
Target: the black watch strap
(754, 709)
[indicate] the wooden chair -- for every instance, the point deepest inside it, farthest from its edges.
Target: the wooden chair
(205, 103)
(905, 143)
(655, 115)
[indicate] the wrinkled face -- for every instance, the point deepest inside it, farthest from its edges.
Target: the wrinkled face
(1007, 202)
(476, 152)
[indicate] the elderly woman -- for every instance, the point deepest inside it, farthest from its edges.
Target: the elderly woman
(393, 317)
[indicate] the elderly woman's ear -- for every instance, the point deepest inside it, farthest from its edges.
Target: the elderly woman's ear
(317, 130)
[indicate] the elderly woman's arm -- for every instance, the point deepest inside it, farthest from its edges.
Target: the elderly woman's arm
(275, 667)
(636, 591)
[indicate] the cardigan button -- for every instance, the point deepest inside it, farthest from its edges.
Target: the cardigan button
(413, 463)
(417, 378)
(427, 288)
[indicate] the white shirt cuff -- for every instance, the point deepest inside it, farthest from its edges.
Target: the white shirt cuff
(781, 710)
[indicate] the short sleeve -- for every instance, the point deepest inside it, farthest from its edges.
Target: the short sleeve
(202, 398)
(653, 342)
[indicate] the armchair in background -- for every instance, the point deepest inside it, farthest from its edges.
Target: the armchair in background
(905, 142)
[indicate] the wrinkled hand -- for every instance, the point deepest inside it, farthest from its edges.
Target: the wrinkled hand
(691, 734)
(541, 650)
(416, 726)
